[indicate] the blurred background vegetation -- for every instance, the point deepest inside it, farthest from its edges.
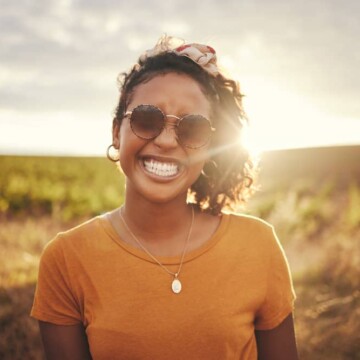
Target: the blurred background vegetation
(312, 196)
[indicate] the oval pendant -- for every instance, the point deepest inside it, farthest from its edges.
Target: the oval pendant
(176, 286)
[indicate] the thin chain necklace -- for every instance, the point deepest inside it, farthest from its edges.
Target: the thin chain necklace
(176, 285)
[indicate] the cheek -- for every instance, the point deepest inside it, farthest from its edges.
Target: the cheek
(127, 140)
(199, 159)
(129, 146)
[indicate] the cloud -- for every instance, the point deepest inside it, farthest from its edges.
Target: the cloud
(68, 53)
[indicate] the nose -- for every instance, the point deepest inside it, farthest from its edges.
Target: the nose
(168, 137)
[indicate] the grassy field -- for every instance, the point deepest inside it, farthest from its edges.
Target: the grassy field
(312, 198)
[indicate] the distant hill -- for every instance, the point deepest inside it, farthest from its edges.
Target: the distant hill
(284, 166)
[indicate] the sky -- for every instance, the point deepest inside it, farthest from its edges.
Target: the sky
(297, 62)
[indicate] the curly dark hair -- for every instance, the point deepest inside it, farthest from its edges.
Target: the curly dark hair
(227, 180)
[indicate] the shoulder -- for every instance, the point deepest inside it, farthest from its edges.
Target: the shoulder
(252, 225)
(76, 239)
(251, 232)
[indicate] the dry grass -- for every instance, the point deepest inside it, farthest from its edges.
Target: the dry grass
(21, 242)
(328, 305)
(320, 230)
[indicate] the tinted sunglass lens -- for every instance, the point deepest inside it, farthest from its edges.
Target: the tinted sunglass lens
(194, 131)
(147, 121)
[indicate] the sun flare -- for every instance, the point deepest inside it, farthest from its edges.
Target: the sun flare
(280, 120)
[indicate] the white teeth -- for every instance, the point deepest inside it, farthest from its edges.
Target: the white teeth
(160, 168)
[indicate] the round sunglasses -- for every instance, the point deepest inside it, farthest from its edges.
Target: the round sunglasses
(148, 121)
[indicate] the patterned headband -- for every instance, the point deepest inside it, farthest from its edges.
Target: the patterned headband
(203, 55)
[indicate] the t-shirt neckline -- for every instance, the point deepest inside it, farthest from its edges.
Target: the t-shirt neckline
(165, 260)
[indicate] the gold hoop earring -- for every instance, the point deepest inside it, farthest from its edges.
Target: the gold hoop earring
(111, 156)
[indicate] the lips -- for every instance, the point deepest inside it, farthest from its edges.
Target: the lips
(162, 168)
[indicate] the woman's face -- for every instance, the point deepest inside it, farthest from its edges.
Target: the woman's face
(162, 169)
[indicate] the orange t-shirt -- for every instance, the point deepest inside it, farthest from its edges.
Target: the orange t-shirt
(237, 282)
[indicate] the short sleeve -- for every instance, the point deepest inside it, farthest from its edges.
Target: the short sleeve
(279, 298)
(54, 300)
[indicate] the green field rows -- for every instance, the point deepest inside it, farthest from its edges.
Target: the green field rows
(64, 188)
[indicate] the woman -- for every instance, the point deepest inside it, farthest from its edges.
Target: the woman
(170, 275)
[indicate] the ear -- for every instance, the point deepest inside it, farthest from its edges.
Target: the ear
(116, 133)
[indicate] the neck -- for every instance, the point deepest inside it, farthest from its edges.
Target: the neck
(158, 222)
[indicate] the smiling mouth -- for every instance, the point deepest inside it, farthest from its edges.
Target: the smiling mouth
(159, 168)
